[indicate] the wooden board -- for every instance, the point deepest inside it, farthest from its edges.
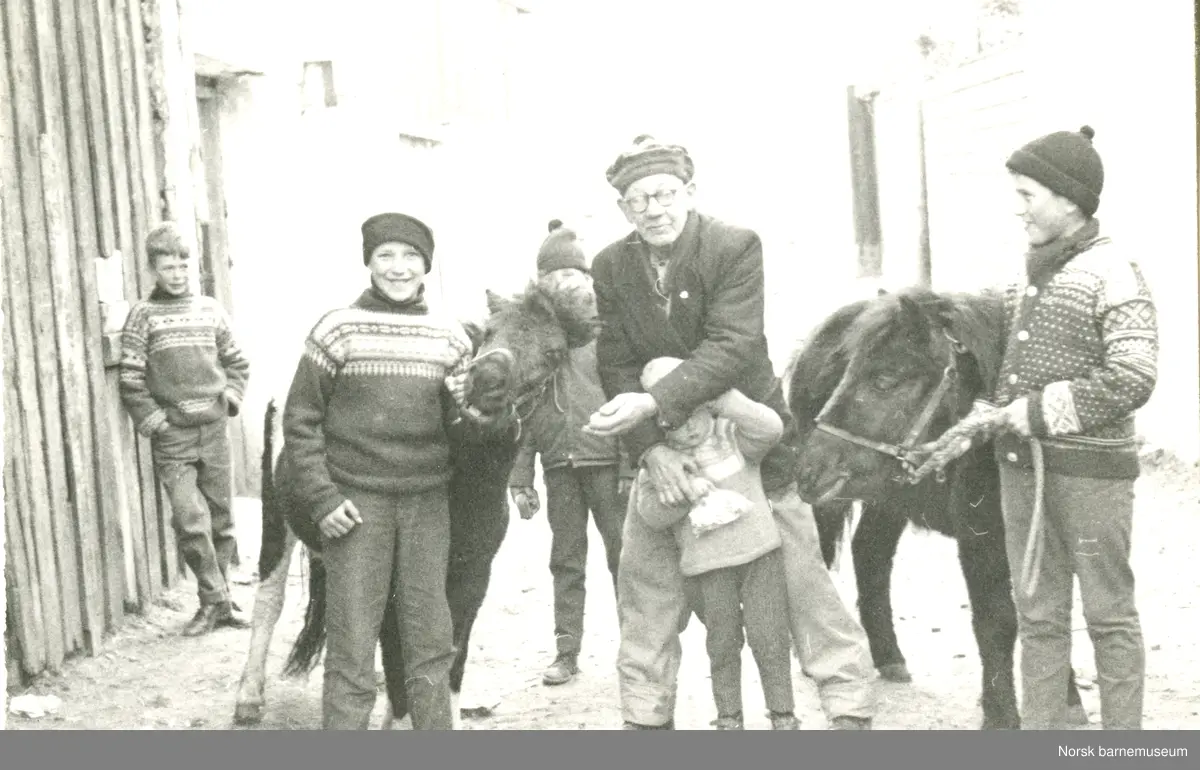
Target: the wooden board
(59, 539)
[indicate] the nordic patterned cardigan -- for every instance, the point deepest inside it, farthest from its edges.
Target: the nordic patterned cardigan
(1082, 347)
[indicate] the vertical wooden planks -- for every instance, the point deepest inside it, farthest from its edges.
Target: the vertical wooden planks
(20, 565)
(87, 248)
(72, 374)
(27, 98)
(39, 543)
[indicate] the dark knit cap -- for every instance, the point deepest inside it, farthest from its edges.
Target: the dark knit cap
(560, 249)
(1066, 163)
(165, 239)
(646, 157)
(390, 227)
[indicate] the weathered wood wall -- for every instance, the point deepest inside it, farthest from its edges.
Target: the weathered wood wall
(88, 534)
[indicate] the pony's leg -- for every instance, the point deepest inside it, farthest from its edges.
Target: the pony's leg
(831, 526)
(984, 562)
(268, 605)
(874, 549)
(473, 548)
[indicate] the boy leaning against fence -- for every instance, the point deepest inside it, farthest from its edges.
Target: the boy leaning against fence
(182, 377)
(730, 545)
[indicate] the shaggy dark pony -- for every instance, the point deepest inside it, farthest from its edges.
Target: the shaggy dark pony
(876, 379)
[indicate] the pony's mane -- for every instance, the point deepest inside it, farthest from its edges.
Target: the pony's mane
(817, 366)
(975, 320)
(576, 318)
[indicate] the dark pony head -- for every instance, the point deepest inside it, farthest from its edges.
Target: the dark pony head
(521, 344)
(882, 376)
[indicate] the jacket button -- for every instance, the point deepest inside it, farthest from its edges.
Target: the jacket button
(1012, 379)
(1012, 457)
(683, 294)
(1022, 335)
(1031, 291)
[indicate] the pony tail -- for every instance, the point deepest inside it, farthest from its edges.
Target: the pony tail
(308, 645)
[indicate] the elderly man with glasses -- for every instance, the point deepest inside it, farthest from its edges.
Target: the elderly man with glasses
(685, 285)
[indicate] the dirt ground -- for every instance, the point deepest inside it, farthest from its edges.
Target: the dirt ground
(150, 678)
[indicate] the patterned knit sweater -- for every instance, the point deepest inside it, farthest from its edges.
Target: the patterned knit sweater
(179, 362)
(1083, 349)
(368, 404)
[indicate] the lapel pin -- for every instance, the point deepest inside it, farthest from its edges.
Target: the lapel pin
(683, 294)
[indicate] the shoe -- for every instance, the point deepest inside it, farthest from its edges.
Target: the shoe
(228, 619)
(729, 723)
(669, 725)
(784, 721)
(203, 621)
(561, 671)
(850, 723)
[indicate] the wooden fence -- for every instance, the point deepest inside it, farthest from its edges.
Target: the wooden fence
(87, 528)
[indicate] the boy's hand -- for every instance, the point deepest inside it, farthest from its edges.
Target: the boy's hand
(526, 500)
(340, 520)
(673, 474)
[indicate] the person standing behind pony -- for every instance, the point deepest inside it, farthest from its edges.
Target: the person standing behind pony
(1080, 359)
(580, 470)
(730, 547)
(182, 377)
(367, 451)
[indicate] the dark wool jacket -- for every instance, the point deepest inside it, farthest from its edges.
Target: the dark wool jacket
(1083, 349)
(367, 406)
(713, 321)
(554, 428)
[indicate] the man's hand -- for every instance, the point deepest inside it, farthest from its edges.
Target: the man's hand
(526, 500)
(621, 414)
(1018, 417)
(340, 520)
(673, 474)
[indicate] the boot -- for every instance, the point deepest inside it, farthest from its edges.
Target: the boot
(732, 722)
(562, 670)
(204, 621)
(784, 721)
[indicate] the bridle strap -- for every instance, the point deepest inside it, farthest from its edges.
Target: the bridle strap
(903, 451)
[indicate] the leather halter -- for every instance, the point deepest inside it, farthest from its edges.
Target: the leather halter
(904, 452)
(530, 397)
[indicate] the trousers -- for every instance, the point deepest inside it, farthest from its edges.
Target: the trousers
(570, 494)
(655, 604)
(398, 553)
(748, 603)
(1088, 528)
(193, 465)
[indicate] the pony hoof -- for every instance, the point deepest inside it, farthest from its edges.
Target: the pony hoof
(248, 713)
(1077, 715)
(895, 672)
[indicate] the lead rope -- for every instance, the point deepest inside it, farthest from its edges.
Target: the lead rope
(1035, 544)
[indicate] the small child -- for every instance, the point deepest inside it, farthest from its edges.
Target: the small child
(730, 545)
(182, 377)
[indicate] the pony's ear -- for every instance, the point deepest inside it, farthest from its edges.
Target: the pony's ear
(495, 302)
(474, 332)
(912, 311)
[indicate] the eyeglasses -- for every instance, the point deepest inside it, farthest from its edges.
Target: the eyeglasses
(640, 203)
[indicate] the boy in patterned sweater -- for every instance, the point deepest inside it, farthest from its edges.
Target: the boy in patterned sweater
(1080, 359)
(730, 546)
(182, 376)
(367, 454)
